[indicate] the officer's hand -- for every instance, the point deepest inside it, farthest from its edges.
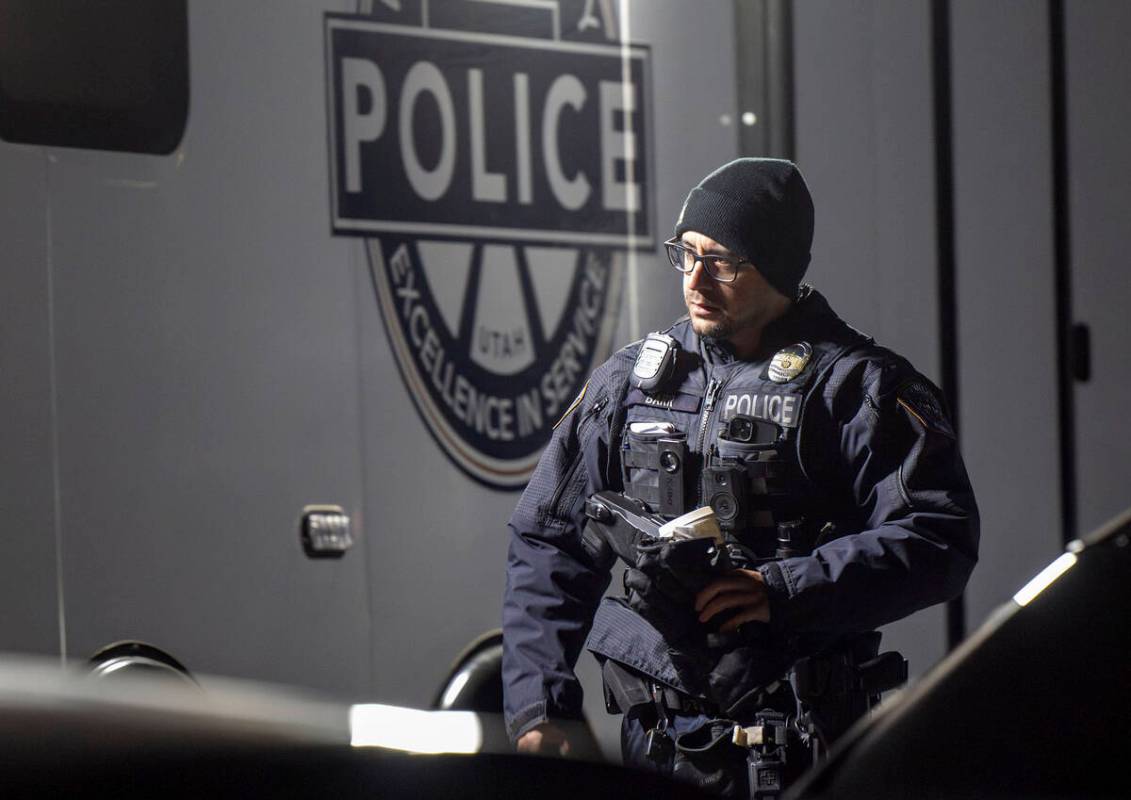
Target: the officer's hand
(743, 590)
(547, 739)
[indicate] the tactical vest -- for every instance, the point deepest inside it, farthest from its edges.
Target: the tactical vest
(680, 450)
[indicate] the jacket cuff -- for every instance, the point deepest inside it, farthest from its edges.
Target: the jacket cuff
(526, 720)
(778, 592)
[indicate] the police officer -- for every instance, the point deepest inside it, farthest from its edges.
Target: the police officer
(863, 480)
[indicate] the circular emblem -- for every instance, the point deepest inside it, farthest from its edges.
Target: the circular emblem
(789, 362)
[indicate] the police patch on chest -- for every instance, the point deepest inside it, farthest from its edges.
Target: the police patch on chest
(789, 362)
(781, 409)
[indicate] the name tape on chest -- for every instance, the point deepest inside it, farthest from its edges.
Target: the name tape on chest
(781, 409)
(675, 401)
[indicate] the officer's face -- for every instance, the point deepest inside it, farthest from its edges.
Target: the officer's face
(736, 311)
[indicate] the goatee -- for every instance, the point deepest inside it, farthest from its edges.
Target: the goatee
(712, 330)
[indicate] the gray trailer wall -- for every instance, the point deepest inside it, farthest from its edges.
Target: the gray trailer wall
(29, 607)
(1099, 108)
(1004, 237)
(213, 358)
(865, 130)
(205, 370)
(865, 142)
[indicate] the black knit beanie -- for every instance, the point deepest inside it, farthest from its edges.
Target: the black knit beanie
(760, 209)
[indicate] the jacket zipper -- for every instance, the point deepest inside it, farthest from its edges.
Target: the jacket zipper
(708, 406)
(712, 394)
(567, 479)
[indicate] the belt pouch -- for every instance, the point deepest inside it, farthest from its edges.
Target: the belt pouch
(707, 757)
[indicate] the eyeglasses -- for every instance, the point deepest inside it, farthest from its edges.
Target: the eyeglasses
(722, 268)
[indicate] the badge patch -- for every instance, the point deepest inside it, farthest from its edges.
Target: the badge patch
(781, 409)
(789, 362)
(920, 402)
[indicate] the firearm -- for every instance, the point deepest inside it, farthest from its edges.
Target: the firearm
(621, 523)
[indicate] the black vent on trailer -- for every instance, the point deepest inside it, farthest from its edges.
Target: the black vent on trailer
(105, 75)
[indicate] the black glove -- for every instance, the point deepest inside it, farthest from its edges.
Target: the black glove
(667, 577)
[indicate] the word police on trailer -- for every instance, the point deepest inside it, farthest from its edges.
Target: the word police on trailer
(467, 134)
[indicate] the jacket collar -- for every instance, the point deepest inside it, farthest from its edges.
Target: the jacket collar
(809, 315)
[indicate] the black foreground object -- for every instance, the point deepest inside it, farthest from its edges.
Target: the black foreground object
(1036, 703)
(65, 732)
(329, 772)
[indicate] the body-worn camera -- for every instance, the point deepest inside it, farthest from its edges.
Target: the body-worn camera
(726, 487)
(671, 459)
(657, 469)
(745, 429)
(744, 445)
(655, 363)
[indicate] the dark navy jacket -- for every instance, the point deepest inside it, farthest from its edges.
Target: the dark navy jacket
(875, 456)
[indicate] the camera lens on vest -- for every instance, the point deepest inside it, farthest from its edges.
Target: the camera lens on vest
(741, 429)
(745, 429)
(725, 489)
(671, 456)
(726, 509)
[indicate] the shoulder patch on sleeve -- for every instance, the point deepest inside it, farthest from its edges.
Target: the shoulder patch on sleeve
(573, 406)
(920, 401)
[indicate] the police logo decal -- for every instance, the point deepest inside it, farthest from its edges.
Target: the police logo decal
(497, 180)
(789, 362)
